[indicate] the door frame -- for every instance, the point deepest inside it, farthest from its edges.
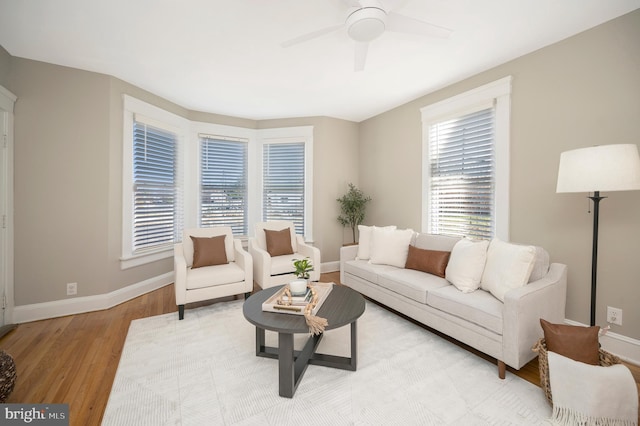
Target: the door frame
(7, 102)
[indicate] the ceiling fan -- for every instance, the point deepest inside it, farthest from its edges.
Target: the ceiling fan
(367, 20)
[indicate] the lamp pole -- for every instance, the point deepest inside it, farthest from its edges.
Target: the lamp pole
(596, 198)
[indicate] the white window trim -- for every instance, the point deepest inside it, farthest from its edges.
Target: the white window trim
(135, 109)
(499, 92)
(288, 135)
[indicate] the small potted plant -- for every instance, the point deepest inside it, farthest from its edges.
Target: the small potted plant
(352, 208)
(303, 267)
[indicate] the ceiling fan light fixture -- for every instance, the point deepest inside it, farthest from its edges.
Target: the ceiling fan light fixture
(366, 24)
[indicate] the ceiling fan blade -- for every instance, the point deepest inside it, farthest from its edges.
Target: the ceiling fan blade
(405, 24)
(312, 35)
(361, 55)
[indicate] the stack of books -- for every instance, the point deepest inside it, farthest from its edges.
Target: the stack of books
(299, 300)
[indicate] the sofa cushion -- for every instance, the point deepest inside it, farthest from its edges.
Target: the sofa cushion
(209, 251)
(479, 307)
(365, 270)
(466, 264)
(435, 242)
(410, 283)
(540, 265)
(283, 264)
(508, 266)
(390, 246)
(430, 261)
(364, 240)
(224, 274)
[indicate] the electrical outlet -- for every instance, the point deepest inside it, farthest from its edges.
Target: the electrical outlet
(614, 315)
(72, 288)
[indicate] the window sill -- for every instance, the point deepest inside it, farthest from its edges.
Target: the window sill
(144, 258)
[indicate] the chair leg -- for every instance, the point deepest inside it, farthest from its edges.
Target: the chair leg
(502, 369)
(246, 295)
(181, 312)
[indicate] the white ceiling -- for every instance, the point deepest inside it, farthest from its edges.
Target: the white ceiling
(225, 56)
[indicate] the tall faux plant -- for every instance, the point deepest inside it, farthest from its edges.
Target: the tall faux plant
(352, 208)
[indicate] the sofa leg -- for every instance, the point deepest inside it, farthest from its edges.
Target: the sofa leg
(181, 312)
(502, 369)
(246, 295)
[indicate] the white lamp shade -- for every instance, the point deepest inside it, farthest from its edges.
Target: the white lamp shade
(599, 168)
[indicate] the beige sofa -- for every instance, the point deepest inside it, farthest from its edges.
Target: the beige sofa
(506, 330)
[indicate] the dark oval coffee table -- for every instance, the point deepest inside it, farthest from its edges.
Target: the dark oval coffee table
(343, 306)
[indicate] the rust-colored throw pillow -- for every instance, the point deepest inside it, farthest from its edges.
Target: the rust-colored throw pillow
(573, 341)
(208, 251)
(431, 261)
(278, 242)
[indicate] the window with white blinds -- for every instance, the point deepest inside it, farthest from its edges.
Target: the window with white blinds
(462, 178)
(223, 184)
(283, 184)
(465, 163)
(156, 209)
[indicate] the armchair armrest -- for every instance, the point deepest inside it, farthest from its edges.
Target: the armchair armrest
(347, 253)
(523, 308)
(313, 253)
(180, 273)
(261, 262)
(244, 261)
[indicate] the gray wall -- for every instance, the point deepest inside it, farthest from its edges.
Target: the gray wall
(61, 167)
(68, 178)
(5, 62)
(580, 92)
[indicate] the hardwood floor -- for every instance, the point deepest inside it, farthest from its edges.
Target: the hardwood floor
(73, 359)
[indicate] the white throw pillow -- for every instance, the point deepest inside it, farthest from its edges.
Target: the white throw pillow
(466, 264)
(364, 240)
(508, 266)
(390, 246)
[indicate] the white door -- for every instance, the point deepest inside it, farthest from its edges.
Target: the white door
(7, 100)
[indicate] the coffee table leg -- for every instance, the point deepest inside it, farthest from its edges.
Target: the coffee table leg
(354, 346)
(260, 341)
(286, 365)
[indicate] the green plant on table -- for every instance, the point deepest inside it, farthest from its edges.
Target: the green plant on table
(303, 267)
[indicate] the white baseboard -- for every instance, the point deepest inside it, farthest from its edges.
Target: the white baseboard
(626, 348)
(330, 267)
(79, 305)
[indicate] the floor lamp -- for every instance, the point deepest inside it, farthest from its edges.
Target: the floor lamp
(596, 169)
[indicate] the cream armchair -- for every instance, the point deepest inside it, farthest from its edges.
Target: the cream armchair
(211, 266)
(278, 269)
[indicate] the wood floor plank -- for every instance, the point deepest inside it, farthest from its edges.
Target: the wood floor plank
(74, 359)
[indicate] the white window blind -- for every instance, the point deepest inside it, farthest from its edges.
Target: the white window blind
(462, 176)
(156, 210)
(223, 184)
(283, 196)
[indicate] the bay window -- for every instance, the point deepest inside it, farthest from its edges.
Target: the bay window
(179, 174)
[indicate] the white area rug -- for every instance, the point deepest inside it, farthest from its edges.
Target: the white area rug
(203, 371)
